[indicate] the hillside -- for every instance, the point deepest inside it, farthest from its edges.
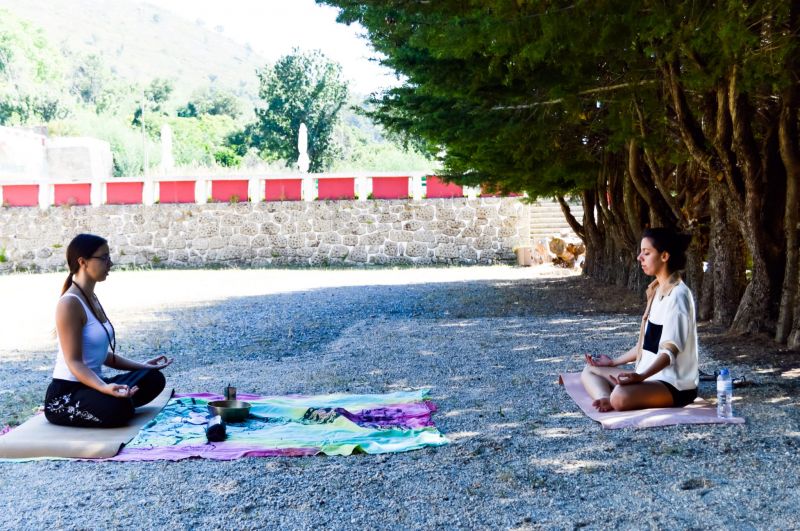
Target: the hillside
(141, 42)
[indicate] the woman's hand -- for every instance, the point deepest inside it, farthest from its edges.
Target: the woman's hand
(158, 362)
(627, 378)
(600, 361)
(119, 391)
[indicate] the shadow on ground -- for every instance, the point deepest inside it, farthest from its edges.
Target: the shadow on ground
(521, 454)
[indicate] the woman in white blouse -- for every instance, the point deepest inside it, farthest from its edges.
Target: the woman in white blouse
(666, 371)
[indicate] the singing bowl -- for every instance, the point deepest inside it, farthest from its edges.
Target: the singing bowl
(230, 410)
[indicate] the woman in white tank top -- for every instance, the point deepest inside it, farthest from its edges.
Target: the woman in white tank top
(79, 395)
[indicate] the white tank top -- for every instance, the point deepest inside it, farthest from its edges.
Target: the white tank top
(94, 343)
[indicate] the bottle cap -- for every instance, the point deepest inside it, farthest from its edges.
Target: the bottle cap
(724, 372)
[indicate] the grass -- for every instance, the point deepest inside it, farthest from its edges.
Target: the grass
(3, 257)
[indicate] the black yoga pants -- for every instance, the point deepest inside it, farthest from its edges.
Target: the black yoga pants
(74, 404)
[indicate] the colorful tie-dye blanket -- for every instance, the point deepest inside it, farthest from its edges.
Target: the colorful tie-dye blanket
(336, 424)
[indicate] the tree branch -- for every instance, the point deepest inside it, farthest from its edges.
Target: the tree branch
(587, 92)
(692, 137)
(576, 227)
(655, 169)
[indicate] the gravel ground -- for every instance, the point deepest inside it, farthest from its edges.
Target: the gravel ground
(488, 341)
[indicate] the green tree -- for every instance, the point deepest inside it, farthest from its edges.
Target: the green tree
(156, 96)
(158, 93)
(303, 87)
(682, 114)
(30, 74)
(201, 140)
(94, 84)
(89, 78)
(211, 101)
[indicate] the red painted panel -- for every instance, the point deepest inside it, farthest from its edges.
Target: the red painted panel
(21, 195)
(73, 194)
(390, 187)
(176, 192)
(124, 193)
(284, 190)
(223, 191)
(436, 188)
(343, 188)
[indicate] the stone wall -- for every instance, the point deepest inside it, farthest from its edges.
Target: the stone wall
(387, 232)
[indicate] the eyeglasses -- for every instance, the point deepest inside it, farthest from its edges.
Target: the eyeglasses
(103, 257)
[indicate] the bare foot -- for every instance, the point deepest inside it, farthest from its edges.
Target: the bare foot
(602, 405)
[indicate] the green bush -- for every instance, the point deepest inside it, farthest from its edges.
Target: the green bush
(361, 152)
(200, 140)
(225, 156)
(126, 142)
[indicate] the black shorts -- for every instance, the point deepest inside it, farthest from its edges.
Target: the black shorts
(680, 398)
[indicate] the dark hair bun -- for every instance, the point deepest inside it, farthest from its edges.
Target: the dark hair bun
(669, 240)
(683, 240)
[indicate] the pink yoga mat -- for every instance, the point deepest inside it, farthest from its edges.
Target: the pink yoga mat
(700, 412)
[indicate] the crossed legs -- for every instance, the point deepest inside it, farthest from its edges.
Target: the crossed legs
(607, 395)
(70, 403)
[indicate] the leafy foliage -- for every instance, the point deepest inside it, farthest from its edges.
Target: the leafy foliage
(95, 85)
(639, 106)
(212, 101)
(155, 95)
(201, 140)
(127, 144)
(303, 87)
(29, 72)
(360, 151)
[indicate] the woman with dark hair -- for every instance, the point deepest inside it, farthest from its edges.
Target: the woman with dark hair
(666, 372)
(78, 394)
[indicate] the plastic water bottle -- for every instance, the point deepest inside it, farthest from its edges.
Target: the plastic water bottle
(724, 394)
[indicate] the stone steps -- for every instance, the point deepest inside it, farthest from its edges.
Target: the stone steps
(547, 220)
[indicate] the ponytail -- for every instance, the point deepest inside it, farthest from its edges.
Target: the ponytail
(67, 283)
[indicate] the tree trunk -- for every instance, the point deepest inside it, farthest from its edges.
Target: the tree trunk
(726, 266)
(755, 310)
(705, 309)
(794, 337)
(593, 239)
(693, 275)
(790, 155)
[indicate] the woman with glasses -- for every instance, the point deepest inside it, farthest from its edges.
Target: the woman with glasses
(79, 395)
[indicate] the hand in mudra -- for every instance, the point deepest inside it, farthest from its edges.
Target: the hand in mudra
(626, 378)
(119, 391)
(159, 362)
(599, 361)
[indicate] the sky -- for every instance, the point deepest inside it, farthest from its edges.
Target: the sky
(274, 27)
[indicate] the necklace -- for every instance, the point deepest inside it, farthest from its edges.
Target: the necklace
(112, 337)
